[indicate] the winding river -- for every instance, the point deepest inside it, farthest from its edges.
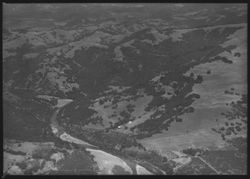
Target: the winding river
(59, 131)
(106, 162)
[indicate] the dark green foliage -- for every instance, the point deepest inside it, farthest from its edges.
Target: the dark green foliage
(237, 54)
(78, 163)
(238, 112)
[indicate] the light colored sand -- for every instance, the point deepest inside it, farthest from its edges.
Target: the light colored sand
(142, 171)
(106, 162)
(63, 102)
(71, 139)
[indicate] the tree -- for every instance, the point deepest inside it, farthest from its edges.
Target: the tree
(199, 79)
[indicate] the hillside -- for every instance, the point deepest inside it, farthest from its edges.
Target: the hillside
(141, 83)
